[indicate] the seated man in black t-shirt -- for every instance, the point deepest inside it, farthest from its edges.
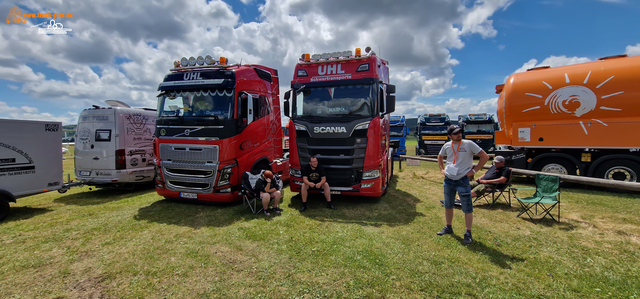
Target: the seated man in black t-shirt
(268, 189)
(497, 174)
(314, 178)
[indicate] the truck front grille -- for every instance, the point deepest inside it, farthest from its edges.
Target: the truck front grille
(189, 167)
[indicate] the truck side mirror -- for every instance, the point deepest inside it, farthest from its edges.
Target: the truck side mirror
(391, 89)
(286, 107)
(391, 104)
(249, 105)
(287, 95)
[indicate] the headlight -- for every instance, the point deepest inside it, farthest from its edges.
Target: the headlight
(300, 127)
(371, 174)
(225, 176)
(295, 172)
(362, 126)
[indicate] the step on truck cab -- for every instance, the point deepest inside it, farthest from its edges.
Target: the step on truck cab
(30, 160)
(114, 145)
(576, 119)
(339, 110)
(398, 133)
(479, 128)
(431, 133)
(216, 121)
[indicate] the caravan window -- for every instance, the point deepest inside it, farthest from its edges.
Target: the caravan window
(103, 135)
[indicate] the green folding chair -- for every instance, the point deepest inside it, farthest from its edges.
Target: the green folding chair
(546, 197)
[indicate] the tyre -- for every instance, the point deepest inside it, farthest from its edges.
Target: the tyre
(556, 165)
(618, 170)
(4, 208)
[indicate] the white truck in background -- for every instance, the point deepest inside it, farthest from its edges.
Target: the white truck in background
(114, 146)
(30, 160)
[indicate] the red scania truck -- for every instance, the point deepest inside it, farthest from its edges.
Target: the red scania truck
(216, 121)
(339, 107)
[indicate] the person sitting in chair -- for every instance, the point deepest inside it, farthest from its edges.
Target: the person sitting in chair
(268, 189)
(497, 174)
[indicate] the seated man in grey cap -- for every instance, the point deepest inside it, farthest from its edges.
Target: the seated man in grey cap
(497, 174)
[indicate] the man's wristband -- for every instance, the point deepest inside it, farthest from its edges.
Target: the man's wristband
(473, 169)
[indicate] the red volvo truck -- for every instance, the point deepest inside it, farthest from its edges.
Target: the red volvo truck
(339, 110)
(216, 121)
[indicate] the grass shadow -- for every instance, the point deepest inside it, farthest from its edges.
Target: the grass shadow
(196, 214)
(100, 196)
(496, 257)
(22, 213)
(395, 208)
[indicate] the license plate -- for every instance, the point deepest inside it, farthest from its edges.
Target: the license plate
(189, 195)
(85, 173)
(335, 192)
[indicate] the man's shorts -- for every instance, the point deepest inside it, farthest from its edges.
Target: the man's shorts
(477, 188)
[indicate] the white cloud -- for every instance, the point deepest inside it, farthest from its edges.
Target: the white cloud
(31, 113)
(633, 50)
(453, 107)
(415, 36)
(552, 61)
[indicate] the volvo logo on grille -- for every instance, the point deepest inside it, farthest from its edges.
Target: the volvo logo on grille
(187, 132)
(329, 130)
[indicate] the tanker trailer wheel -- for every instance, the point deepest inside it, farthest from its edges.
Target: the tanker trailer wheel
(4, 208)
(556, 165)
(618, 170)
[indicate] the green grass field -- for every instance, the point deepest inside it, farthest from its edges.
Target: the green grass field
(118, 244)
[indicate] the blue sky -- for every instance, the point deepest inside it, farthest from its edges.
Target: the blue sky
(445, 55)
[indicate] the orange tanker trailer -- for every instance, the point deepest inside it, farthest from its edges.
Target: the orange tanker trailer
(577, 119)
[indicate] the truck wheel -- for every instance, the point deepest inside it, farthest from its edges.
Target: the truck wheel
(557, 165)
(618, 170)
(4, 208)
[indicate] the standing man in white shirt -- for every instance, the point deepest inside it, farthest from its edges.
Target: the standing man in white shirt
(457, 173)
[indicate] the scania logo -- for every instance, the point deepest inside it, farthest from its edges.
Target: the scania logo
(329, 130)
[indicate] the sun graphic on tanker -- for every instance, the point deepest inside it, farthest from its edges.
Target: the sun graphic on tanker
(577, 100)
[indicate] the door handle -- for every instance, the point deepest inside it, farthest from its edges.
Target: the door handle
(96, 158)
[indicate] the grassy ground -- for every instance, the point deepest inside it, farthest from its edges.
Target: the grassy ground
(117, 244)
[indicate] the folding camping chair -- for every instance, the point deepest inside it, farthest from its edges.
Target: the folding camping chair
(497, 191)
(547, 196)
(251, 198)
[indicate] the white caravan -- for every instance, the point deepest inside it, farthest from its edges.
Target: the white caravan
(114, 145)
(30, 160)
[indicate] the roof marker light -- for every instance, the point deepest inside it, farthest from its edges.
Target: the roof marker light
(209, 60)
(358, 52)
(184, 62)
(307, 57)
(223, 60)
(200, 60)
(316, 56)
(192, 61)
(176, 63)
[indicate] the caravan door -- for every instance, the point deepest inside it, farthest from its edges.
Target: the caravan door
(137, 131)
(96, 146)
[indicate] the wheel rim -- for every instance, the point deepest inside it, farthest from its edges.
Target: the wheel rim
(555, 168)
(621, 173)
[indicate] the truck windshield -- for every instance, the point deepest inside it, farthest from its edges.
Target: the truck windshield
(203, 103)
(336, 101)
(397, 131)
(471, 128)
(434, 130)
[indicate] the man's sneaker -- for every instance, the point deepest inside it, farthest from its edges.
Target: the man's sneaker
(304, 208)
(456, 202)
(277, 210)
(266, 212)
(467, 238)
(330, 206)
(447, 230)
